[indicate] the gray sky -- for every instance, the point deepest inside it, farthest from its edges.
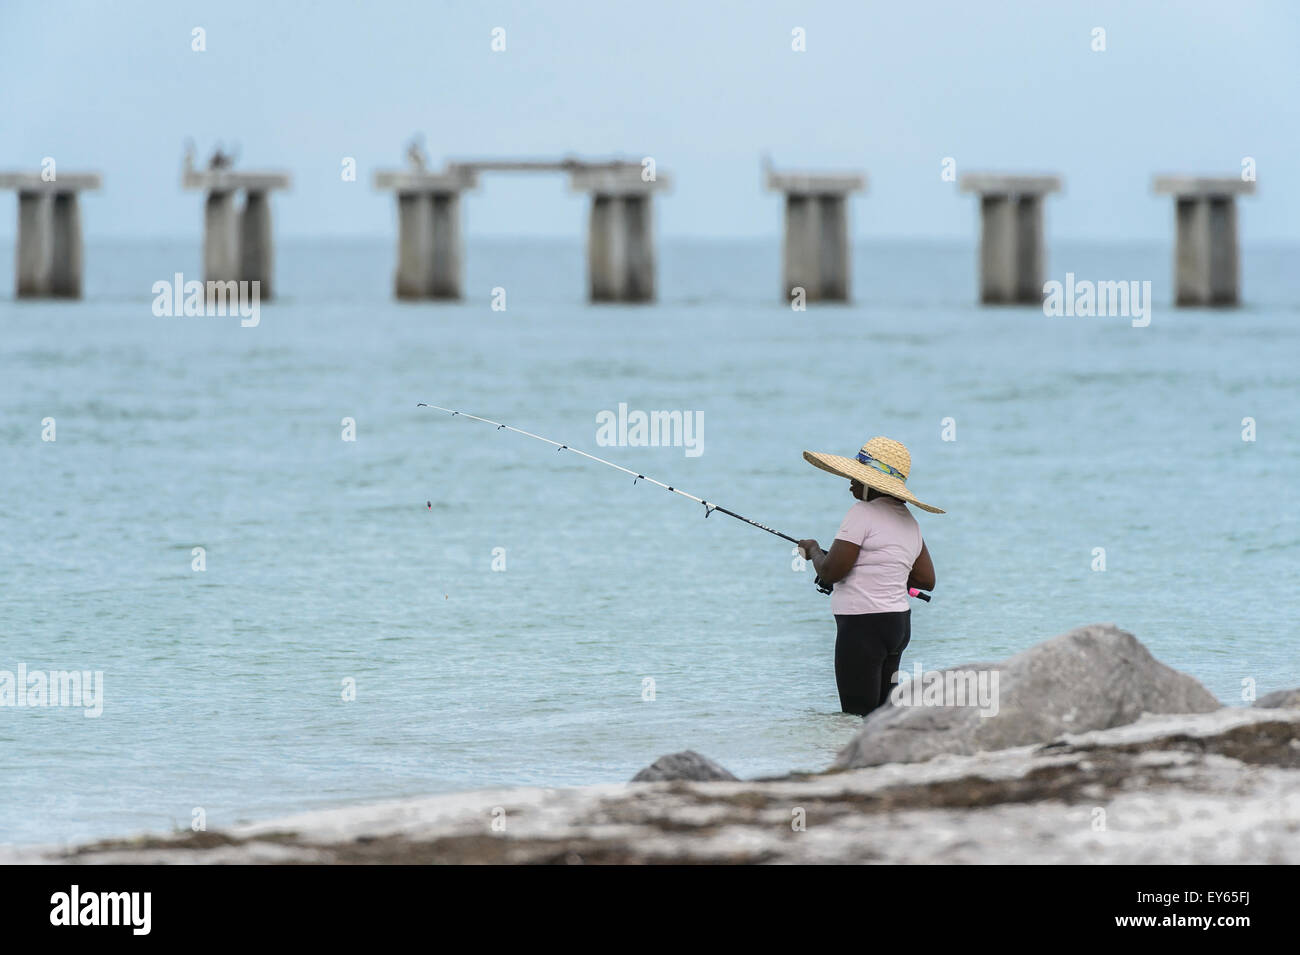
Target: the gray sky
(704, 88)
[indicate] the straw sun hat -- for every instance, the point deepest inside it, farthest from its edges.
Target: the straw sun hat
(882, 464)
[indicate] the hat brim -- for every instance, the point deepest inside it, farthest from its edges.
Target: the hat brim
(857, 471)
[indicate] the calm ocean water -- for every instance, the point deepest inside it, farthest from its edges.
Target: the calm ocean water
(223, 687)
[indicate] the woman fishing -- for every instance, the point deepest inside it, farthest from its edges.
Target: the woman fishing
(877, 555)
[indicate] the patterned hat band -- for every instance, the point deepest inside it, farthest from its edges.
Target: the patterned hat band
(881, 466)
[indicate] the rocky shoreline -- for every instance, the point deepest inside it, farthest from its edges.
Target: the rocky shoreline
(1153, 771)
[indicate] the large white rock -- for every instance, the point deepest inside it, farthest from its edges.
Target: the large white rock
(1091, 678)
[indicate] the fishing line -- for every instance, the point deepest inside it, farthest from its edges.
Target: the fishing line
(709, 507)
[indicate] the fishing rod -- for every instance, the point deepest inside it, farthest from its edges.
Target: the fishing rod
(709, 507)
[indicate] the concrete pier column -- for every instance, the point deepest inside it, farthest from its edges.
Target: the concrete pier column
(1192, 251)
(1031, 264)
(446, 264)
(220, 238)
(1225, 281)
(35, 245)
(1207, 267)
(414, 277)
(66, 248)
(833, 258)
(815, 250)
(606, 249)
(256, 250)
(998, 269)
(801, 246)
(638, 248)
(1012, 256)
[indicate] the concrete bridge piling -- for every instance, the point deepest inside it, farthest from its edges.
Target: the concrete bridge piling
(620, 231)
(430, 260)
(1206, 257)
(1012, 253)
(815, 252)
(237, 241)
(620, 239)
(621, 263)
(49, 242)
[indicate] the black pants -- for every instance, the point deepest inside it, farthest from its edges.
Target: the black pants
(868, 650)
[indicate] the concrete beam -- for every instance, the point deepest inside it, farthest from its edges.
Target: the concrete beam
(1009, 184)
(1202, 186)
(409, 180)
(65, 182)
(816, 183)
(228, 180)
(567, 164)
(616, 181)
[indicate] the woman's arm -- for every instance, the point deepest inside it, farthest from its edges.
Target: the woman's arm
(922, 575)
(831, 566)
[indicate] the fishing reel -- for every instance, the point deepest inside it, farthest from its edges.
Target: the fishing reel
(822, 586)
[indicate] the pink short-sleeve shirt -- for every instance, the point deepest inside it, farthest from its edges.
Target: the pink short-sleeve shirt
(890, 541)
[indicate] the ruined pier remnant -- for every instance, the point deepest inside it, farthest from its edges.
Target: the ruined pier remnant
(238, 242)
(430, 256)
(620, 240)
(49, 259)
(815, 250)
(620, 231)
(1012, 253)
(1206, 257)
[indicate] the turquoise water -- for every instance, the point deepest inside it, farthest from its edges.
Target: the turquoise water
(223, 687)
